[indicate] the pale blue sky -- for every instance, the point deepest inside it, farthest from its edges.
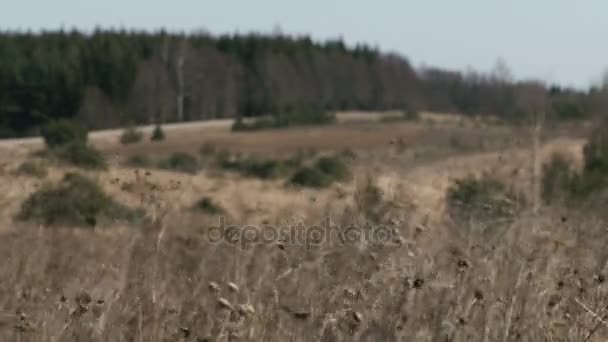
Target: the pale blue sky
(561, 41)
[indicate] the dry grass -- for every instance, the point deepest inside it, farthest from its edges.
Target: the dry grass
(433, 280)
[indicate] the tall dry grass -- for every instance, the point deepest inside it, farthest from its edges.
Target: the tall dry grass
(450, 280)
(164, 281)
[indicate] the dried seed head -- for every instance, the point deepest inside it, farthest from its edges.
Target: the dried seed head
(224, 303)
(350, 293)
(233, 287)
(599, 278)
(213, 286)
(246, 310)
(358, 317)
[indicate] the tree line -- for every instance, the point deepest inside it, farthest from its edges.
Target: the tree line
(112, 78)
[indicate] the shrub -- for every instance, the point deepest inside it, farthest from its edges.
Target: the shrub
(75, 201)
(482, 198)
(287, 116)
(157, 134)
(139, 160)
(558, 180)
(207, 205)
(182, 162)
(311, 177)
(258, 168)
(406, 115)
(596, 150)
(593, 180)
(254, 124)
(324, 172)
(63, 132)
(334, 167)
(369, 200)
(33, 168)
(80, 155)
(131, 135)
(302, 114)
(265, 169)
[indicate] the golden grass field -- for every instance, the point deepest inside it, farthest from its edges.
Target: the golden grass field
(538, 279)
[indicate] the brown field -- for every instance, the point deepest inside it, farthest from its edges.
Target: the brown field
(537, 278)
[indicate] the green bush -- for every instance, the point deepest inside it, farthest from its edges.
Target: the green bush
(139, 160)
(558, 180)
(63, 132)
(482, 198)
(287, 116)
(157, 134)
(80, 155)
(33, 168)
(258, 168)
(593, 179)
(369, 200)
(323, 173)
(311, 177)
(131, 135)
(596, 150)
(207, 206)
(75, 201)
(334, 167)
(406, 115)
(254, 124)
(182, 162)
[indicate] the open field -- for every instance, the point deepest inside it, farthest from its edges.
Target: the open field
(535, 278)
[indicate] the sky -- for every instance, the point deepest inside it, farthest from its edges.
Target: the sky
(556, 41)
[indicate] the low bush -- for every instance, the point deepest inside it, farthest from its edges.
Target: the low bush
(558, 180)
(241, 125)
(131, 135)
(208, 206)
(75, 201)
(369, 200)
(334, 167)
(33, 168)
(311, 178)
(139, 160)
(591, 184)
(63, 132)
(80, 155)
(251, 167)
(482, 198)
(324, 172)
(406, 115)
(287, 116)
(157, 134)
(181, 162)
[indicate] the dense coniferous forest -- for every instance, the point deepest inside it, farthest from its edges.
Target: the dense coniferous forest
(113, 78)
